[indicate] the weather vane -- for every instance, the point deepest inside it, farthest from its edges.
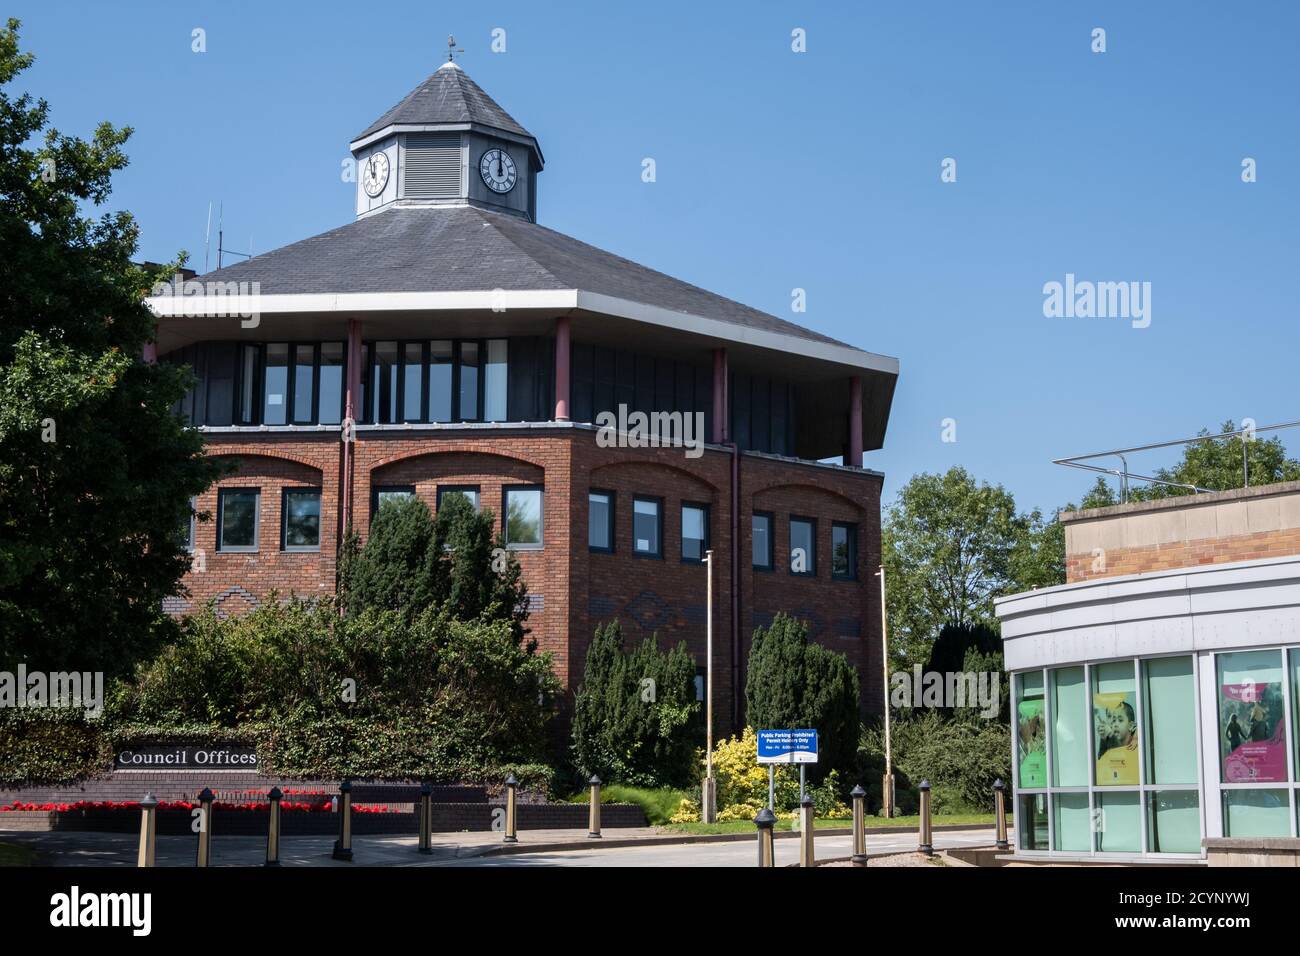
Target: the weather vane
(452, 49)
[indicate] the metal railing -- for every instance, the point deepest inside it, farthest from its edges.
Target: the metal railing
(1123, 474)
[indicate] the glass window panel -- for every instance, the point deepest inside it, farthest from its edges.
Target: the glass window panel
(1072, 821)
(331, 383)
(440, 380)
(1069, 727)
(803, 551)
(1295, 709)
(1256, 813)
(247, 384)
(1031, 732)
(383, 382)
(494, 381)
(469, 373)
(600, 515)
(1252, 728)
(1119, 822)
(524, 517)
(1174, 821)
(695, 532)
(1169, 699)
(238, 529)
(413, 382)
(1031, 821)
(362, 408)
(382, 495)
(275, 388)
(302, 520)
(1114, 724)
(645, 526)
(762, 542)
(304, 375)
(469, 492)
(844, 550)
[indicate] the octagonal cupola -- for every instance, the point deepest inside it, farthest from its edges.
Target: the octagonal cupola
(447, 143)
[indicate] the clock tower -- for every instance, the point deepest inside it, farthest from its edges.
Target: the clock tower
(447, 143)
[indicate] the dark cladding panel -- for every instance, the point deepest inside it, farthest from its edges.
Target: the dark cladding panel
(221, 383)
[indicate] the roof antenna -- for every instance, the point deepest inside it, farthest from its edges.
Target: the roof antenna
(451, 49)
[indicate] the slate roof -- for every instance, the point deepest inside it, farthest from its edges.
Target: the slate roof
(447, 96)
(468, 248)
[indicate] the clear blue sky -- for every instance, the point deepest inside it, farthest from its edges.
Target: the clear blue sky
(819, 170)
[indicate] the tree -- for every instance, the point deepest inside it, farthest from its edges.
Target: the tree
(791, 683)
(636, 720)
(412, 562)
(96, 469)
(951, 545)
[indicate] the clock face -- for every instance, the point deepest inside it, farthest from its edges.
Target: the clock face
(374, 177)
(498, 171)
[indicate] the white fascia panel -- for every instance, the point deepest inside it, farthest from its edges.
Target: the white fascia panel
(186, 306)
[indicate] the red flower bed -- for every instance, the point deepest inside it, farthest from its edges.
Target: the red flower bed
(133, 806)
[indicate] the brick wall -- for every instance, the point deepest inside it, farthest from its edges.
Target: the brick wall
(573, 589)
(1187, 531)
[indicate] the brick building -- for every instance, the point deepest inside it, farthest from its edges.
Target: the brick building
(444, 342)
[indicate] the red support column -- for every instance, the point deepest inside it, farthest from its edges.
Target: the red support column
(855, 422)
(563, 349)
(721, 430)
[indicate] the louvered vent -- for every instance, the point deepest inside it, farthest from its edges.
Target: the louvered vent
(432, 165)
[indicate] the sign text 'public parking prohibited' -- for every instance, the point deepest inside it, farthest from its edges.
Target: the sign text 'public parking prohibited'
(787, 746)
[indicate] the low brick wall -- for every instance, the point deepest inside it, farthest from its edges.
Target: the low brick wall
(447, 817)
(129, 786)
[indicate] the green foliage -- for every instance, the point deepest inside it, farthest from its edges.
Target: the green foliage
(659, 804)
(960, 758)
(412, 562)
(96, 470)
(792, 683)
(636, 719)
(365, 694)
(50, 746)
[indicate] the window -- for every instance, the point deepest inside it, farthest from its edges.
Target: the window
(301, 519)
(440, 380)
(383, 383)
(331, 383)
(844, 551)
(469, 382)
(803, 546)
(1252, 726)
(237, 519)
(600, 521)
(384, 493)
(1070, 729)
(761, 545)
(1169, 702)
(523, 516)
(494, 381)
(413, 382)
(188, 535)
(1114, 725)
(248, 362)
(1031, 735)
(470, 492)
(275, 385)
(695, 532)
(701, 683)
(304, 384)
(647, 527)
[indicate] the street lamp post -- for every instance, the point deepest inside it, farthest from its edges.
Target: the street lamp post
(887, 784)
(708, 792)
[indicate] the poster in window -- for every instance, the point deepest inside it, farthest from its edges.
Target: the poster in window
(1032, 730)
(1114, 718)
(1253, 732)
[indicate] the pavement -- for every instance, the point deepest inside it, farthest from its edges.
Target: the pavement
(639, 846)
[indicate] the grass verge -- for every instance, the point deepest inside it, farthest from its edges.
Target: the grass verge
(11, 855)
(746, 826)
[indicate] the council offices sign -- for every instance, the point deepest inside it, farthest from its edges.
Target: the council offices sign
(185, 758)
